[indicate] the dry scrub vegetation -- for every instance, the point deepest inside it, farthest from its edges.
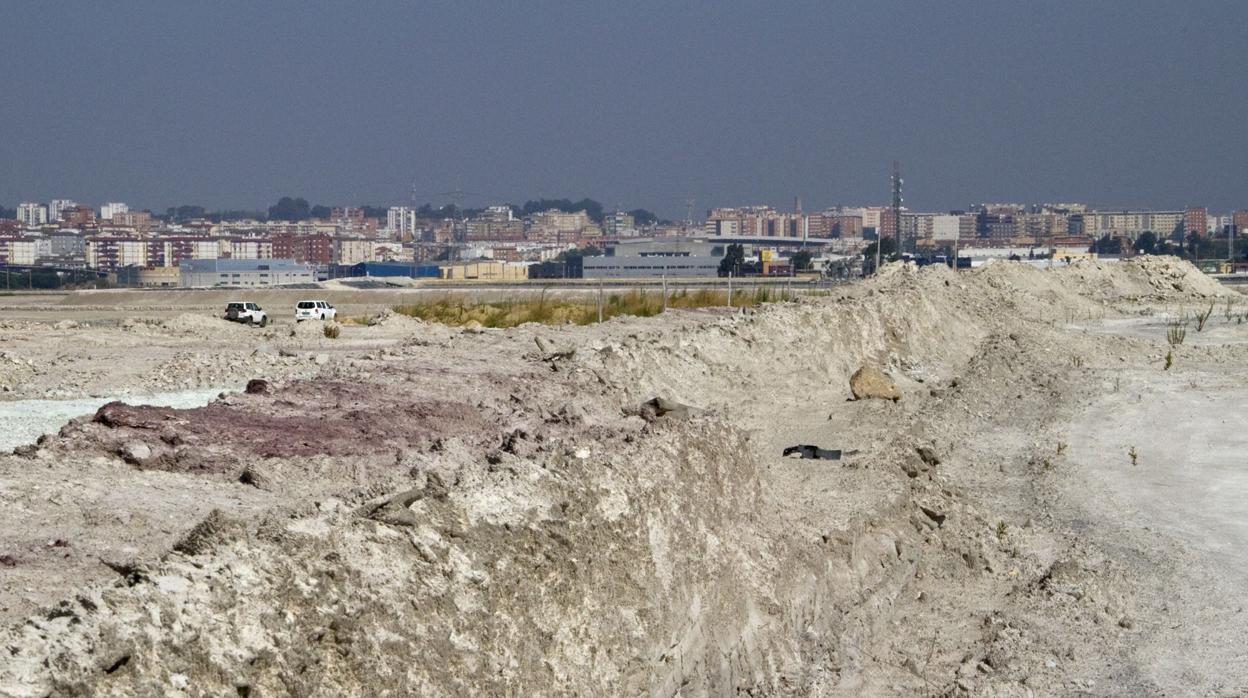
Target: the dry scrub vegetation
(550, 311)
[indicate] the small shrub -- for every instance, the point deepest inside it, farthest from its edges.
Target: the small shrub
(1176, 332)
(331, 331)
(1061, 447)
(1001, 530)
(1202, 318)
(1134, 455)
(1169, 360)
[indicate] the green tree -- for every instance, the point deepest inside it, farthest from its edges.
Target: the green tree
(1193, 242)
(734, 257)
(218, 216)
(888, 247)
(182, 214)
(591, 208)
(587, 251)
(1106, 245)
(802, 260)
(321, 212)
(8, 212)
(290, 209)
(643, 217)
(1146, 243)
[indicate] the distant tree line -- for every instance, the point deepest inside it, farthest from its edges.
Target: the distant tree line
(643, 217)
(1193, 246)
(8, 212)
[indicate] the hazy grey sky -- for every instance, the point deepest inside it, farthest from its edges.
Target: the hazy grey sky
(233, 104)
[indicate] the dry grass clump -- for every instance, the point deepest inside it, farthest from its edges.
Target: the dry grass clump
(1176, 332)
(1202, 317)
(581, 311)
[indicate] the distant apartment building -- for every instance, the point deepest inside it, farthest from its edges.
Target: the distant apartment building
(481, 229)
(18, 251)
(351, 221)
(755, 221)
(315, 248)
(110, 210)
(871, 217)
(108, 252)
(1097, 224)
(169, 251)
(561, 221)
(348, 217)
(78, 216)
(1195, 220)
(128, 221)
(888, 226)
(402, 223)
(557, 227)
(996, 227)
(1239, 222)
(917, 227)
(65, 249)
(57, 209)
(1042, 227)
(497, 214)
(620, 224)
(946, 228)
(784, 225)
(246, 248)
(246, 273)
(834, 223)
(209, 248)
(32, 214)
(967, 224)
(349, 251)
(730, 222)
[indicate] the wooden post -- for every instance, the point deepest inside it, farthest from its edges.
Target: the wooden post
(600, 301)
(729, 289)
(665, 293)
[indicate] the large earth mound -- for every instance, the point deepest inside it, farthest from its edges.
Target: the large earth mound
(610, 510)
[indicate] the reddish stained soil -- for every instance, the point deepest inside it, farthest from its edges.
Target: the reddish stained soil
(304, 418)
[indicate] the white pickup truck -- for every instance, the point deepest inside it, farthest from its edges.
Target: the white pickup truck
(314, 310)
(246, 312)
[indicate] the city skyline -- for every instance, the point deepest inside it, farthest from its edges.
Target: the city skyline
(51, 208)
(1120, 105)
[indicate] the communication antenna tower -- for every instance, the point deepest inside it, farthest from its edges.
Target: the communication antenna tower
(897, 206)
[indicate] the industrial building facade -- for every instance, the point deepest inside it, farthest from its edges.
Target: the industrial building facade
(655, 258)
(205, 273)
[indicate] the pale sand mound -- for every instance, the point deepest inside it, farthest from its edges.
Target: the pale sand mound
(470, 514)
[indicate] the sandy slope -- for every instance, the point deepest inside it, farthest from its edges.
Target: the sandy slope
(430, 511)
